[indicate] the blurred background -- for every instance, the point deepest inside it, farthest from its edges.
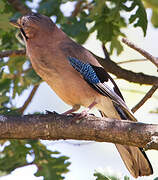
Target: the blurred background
(82, 25)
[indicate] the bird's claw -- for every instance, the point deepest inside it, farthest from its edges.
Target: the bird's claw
(78, 117)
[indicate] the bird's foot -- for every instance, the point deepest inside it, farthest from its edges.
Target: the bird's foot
(49, 112)
(73, 109)
(79, 117)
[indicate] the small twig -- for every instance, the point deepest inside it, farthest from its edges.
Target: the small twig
(19, 6)
(88, 6)
(145, 98)
(132, 61)
(153, 59)
(106, 54)
(137, 92)
(29, 99)
(9, 53)
(77, 8)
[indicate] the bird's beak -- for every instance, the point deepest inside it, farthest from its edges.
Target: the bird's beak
(13, 22)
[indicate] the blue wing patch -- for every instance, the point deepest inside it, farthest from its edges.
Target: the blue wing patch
(85, 69)
(101, 84)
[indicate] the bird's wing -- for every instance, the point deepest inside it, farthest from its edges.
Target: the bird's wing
(101, 81)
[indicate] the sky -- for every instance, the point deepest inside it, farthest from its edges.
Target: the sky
(88, 157)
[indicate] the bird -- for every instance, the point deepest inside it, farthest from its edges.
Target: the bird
(78, 79)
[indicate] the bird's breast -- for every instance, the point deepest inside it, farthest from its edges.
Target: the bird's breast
(71, 87)
(66, 82)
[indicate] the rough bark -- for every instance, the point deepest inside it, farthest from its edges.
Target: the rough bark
(55, 127)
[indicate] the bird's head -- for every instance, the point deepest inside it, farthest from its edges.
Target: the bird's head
(33, 25)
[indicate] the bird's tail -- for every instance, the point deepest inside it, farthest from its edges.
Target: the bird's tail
(135, 159)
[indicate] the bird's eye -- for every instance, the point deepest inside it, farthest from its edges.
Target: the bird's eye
(23, 23)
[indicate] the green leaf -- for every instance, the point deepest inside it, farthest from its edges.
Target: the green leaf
(8, 39)
(50, 8)
(4, 85)
(1, 72)
(126, 178)
(154, 18)
(48, 166)
(115, 45)
(4, 25)
(5, 16)
(101, 176)
(15, 154)
(140, 17)
(108, 22)
(15, 64)
(31, 77)
(151, 4)
(3, 99)
(76, 29)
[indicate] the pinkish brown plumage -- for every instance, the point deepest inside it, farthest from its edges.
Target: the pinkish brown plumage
(48, 48)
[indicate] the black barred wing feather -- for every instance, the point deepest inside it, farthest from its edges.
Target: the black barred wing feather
(101, 81)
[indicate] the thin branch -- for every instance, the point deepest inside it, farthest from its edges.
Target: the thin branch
(128, 75)
(55, 127)
(137, 92)
(132, 61)
(106, 54)
(11, 53)
(29, 99)
(145, 98)
(153, 59)
(20, 7)
(77, 8)
(88, 6)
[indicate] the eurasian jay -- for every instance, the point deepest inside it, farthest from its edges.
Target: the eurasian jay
(78, 79)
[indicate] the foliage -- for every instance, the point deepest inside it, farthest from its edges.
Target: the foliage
(154, 5)
(106, 18)
(101, 176)
(17, 152)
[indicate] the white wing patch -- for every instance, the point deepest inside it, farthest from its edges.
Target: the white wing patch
(110, 84)
(107, 91)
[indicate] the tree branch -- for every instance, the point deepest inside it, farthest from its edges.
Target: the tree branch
(55, 127)
(29, 99)
(106, 54)
(20, 7)
(145, 98)
(9, 53)
(77, 8)
(132, 61)
(128, 75)
(153, 59)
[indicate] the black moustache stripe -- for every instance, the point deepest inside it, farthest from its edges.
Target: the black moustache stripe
(22, 31)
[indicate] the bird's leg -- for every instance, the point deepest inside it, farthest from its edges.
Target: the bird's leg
(79, 116)
(74, 108)
(85, 112)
